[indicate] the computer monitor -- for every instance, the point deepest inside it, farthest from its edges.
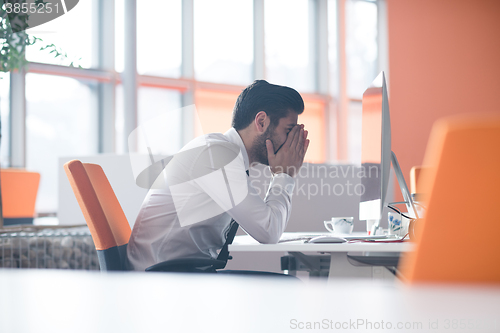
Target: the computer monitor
(376, 154)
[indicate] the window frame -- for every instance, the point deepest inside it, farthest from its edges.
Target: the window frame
(336, 110)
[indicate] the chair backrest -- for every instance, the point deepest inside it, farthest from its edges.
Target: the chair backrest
(102, 211)
(414, 178)
(19, 191)
(458, 239)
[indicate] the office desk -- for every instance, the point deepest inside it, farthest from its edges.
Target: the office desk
(339, 265)
(79, 301)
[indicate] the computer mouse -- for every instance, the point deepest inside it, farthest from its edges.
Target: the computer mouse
(326, 239)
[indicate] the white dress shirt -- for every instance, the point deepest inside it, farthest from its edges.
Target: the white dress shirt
(187, 212)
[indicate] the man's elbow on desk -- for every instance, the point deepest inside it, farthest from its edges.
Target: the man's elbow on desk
(264, 234)
(265, 226)
(268, 238)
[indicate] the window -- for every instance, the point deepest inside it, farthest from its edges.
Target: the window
(313, 119)
(5, 117)
(223, 41)
(288, 44)
(160, 116)
(73, 111)
(119, 35)
(361, 46)
(159, 37)
(120, 146)
(61, 120)
(361, 52)
(71, 33)
(332, 47)
(215, 110)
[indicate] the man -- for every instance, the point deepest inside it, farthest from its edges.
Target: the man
(206, 186)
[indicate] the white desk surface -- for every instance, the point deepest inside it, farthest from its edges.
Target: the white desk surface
(78, 301)
(246, 243)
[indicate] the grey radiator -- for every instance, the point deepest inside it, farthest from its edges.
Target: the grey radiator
(68, 248)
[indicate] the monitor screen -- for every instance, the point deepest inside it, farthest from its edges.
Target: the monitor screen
(375, 149)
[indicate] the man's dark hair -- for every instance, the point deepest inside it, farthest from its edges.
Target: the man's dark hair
(275, 100)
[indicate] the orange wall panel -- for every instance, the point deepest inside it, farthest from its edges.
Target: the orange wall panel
(444, 59)
(372, 128)
(313, 119)
(215, 110)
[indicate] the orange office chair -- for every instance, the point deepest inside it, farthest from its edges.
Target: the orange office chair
(458, 239)
(414, 178)
(19, 191)
(109, 226)
(102, 211)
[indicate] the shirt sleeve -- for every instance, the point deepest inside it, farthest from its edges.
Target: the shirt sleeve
(266, 220)
(263, 219)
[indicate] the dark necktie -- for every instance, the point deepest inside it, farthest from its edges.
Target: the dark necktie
(224, 252)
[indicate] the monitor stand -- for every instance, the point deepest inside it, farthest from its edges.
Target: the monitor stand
(404, 189)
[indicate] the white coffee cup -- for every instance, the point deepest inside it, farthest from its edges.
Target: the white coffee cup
(398, 224)
(340, 225)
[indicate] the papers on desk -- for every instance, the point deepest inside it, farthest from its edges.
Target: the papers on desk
(305, 237)
(290, 238)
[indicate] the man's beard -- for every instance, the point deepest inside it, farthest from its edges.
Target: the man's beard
(259, 148)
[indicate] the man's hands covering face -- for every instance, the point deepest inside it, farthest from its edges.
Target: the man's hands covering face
(290, 156)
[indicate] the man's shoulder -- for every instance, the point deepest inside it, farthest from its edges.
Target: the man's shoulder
(206, 140)
(217, 151)
(213, 149)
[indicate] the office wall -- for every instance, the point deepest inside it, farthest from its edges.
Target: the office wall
(444, 59)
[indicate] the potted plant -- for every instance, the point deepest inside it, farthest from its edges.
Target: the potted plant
(13, 43)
